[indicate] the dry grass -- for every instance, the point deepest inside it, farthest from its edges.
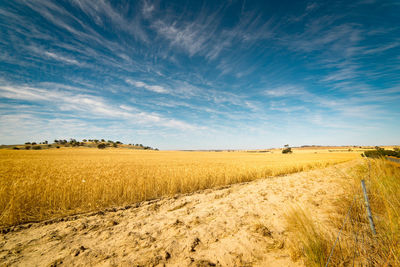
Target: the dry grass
(309, 240)
(357, 245)
(39, 185)
(383, 183)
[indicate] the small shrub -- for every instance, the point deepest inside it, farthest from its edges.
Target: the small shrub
(57, 146)
(36, 147)
(27, 147)
(15, 148)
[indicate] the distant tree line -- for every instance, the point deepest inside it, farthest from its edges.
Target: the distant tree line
(99, 143)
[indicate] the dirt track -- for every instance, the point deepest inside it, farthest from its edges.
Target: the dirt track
(239, 225)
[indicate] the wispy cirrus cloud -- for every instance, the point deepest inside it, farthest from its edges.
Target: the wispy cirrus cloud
(153, 88)
(193, 37)
(101, 11)
(88, 106)
(287, 91)
(147, 9)
(203, 34)
(62, 58)
(381, 48)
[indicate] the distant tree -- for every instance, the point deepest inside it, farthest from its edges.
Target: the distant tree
(101, 146)
(287, 149)
(72, 141)
(45, 142)
(33, 143)
(96, 141)
(102, 140)
(115, 145)
(56, 141)
(27, 143)
(119, 143)
(27, 147)
(36, 147)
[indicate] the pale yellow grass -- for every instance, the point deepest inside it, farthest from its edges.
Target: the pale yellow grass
(39, 185)
(357, 245)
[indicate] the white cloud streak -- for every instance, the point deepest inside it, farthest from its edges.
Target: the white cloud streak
(153, 88)
(62, 58)
(286, 91)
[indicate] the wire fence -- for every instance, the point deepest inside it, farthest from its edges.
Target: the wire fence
(354, 233)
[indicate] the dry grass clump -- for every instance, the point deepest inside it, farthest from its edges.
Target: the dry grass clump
(39, 185)
(357, 246)
(308, 240)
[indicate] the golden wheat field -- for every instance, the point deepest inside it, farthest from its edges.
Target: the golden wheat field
(39, 185)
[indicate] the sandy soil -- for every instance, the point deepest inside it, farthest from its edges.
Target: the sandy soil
(238, 225)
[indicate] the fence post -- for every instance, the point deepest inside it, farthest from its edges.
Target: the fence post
(371, 221)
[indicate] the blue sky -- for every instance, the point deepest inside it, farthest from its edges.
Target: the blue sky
(201, 74)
